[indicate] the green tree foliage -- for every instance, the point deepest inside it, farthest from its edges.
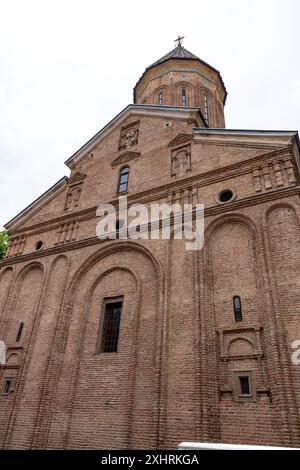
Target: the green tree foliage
(3, 243)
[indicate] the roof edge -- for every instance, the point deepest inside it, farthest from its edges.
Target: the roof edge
(59, 184)
(133, 107)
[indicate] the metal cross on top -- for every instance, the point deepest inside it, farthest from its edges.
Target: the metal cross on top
(179, 41)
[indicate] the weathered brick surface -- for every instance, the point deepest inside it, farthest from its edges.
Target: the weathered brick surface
(172, 379)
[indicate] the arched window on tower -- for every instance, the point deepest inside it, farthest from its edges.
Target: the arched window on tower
(183, 98)
(206, 109)
(237, 307)
(123, 179)
(161, 98)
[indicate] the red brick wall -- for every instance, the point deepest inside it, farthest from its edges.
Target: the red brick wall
(172, 378)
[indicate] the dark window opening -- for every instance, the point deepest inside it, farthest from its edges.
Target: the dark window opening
(119, 224)
(237, 306)
(111, 327)
(226, 196)
(123, 180)
(245, 385)
(20, 332)
(39, 245)
(161, 98)
(7, 386)
(183, 98)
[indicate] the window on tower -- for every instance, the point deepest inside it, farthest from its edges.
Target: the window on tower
(183, 98)
(237, 307)
(161, 98)
(206, 109)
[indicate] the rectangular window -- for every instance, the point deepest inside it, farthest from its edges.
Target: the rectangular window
(7, 386)
(110, 326)
(244, 386)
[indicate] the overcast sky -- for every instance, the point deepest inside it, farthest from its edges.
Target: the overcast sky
(68, 67)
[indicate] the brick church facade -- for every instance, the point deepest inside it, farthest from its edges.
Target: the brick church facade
(140, 343)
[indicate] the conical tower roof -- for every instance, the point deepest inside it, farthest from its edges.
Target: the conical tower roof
(180, 53)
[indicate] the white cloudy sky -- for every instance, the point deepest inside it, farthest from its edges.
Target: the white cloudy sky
(68, 67)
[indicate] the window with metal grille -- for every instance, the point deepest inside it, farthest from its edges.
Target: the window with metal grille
(111, 326)
(161, 98)
(183, 98)
(20, 332)
(237, 307)
(244, 385)
(123, 179)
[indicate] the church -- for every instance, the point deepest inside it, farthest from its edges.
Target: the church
(141, 344)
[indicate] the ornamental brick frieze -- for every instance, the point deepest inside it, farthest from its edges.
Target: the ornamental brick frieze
(16, 246)
(67, 233)
(275, 174)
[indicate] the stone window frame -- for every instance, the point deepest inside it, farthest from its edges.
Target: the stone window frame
(237, 395)
(106, 301)
(233, 198)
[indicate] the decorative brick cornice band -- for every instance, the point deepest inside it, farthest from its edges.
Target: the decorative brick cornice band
(151, 195)
(211, 211)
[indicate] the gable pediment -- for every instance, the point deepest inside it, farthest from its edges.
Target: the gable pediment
(135, 111)
(125, 157)
(180, 139)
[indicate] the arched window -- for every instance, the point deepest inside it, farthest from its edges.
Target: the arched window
(206, 109)
(237, 307)
(183, 97)
(161, 98)
(123, 179)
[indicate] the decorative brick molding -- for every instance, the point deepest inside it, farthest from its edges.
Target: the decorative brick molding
(129, 136)
(181, 161)
(67, 233)
(16, 246)
(276, 174)
(124, 158)
(180, 139)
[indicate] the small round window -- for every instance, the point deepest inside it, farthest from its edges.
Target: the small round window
(39, 245)
(226, 196)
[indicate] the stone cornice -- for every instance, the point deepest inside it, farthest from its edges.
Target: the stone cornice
(144, 197)
(209, 212)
